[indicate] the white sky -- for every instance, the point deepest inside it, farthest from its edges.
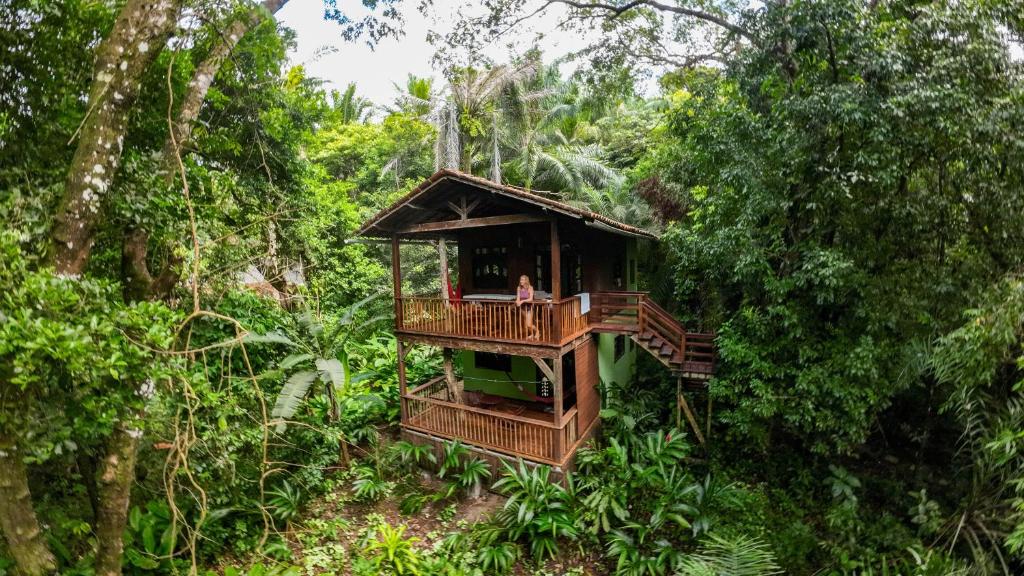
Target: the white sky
(326, 55)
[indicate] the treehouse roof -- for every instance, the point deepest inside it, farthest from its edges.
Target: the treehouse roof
(429, 208)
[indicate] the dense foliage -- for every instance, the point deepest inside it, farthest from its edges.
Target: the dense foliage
(197, 370)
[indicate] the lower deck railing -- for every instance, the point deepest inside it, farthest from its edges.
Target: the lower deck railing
(427, 408)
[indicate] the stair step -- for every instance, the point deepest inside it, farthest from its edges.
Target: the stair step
(677, 358)
(655, 344)
(666, 350)
(646, 335)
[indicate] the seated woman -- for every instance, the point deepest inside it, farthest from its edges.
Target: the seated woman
(524, 301)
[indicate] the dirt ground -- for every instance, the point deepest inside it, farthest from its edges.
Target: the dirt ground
(331, 527)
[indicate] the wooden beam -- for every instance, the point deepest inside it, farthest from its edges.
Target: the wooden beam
(681, 399)
(556, 279)
(463, 209)
(479, 345)
(558, 409)
(556, 263)
(543, 365)
(402, 384)
(396, 278)
(472, 223)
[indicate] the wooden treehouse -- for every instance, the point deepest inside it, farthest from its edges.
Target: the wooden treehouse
(529, 385)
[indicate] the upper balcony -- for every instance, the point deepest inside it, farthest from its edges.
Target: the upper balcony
(495, 318)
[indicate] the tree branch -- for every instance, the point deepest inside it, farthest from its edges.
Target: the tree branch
(617, 10)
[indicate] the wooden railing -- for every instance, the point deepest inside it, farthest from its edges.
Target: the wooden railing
(498, 320)
(428, 409)
(555, 323)
(615, 310)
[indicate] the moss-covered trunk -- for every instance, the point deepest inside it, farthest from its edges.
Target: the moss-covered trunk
(21, 529)
(116, 476)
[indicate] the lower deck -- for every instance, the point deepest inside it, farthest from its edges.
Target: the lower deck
(510, 427)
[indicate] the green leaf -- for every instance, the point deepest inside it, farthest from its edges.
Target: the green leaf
(272, 337)
(291, 396)
(293, 360)
(332, 370)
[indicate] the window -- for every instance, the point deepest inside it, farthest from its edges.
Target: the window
(489, 361)
(490, 269)
(620, 347)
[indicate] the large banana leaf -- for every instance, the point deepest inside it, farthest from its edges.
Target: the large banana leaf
(291, 396)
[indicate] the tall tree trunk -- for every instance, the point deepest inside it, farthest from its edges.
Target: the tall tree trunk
(117, 474)
(24, 537)
(139, 282)
(140, 31)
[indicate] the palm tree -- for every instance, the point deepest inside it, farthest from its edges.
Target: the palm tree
(553, 139)
(350, 109)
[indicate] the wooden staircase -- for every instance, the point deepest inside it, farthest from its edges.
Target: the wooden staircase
(689, 355)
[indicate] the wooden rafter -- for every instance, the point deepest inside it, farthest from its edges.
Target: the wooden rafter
(472, 223)
(462, 208)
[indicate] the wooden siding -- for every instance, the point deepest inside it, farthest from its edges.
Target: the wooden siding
(588, 398)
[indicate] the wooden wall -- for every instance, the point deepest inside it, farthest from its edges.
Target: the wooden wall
(588, 398)
(601, 253)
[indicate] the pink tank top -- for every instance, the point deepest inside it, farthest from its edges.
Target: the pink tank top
(524, 293)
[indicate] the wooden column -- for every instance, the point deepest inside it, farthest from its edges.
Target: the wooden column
(558, 406)
(442, 259)
(556, 281)
(396, 278)
(402, 384)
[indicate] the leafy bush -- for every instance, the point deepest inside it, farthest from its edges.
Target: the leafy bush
(390, 552)
(538, 511)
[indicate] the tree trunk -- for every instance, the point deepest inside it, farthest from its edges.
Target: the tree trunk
(139, 283)
(17, 516)
(117, 475)
(140, 31)
(454, 390)
(203, 76)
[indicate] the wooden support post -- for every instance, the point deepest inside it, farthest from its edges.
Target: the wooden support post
(679, 393)
(396, 278)
(556, 280)
(402, 384)
(442, 260)
(689, 415)
(707, 434)
(558, 406)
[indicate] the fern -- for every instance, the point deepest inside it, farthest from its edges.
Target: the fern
(740, 556)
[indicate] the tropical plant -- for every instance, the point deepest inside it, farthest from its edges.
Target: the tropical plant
(538, 512)
(740, 556)
(410, 455)
(319, 355)
(348, 107)
(284, 502)
(390, 552)
(370, 484)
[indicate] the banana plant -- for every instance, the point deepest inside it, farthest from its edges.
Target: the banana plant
(318, 354)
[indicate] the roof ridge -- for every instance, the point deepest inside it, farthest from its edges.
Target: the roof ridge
(508, 189)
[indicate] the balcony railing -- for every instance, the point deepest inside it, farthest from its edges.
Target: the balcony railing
(541, 322)
(429, 409)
